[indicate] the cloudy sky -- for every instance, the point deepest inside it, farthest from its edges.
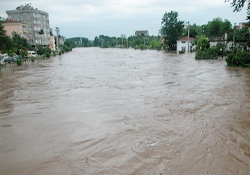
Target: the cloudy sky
(90, 18)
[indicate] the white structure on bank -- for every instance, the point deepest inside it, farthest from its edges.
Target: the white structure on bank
(182, 44)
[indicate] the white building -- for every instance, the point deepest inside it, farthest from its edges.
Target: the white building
(182, 44)
(141, 33)
(37, 20)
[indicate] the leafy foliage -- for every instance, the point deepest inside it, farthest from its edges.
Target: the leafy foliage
(220, 49)
(241, 36)
(7, 44)
(172, 29)
(19, 62)
(194, 30)
(217, 27)
(44, 51)
(202, 42)
(206, 54)
(79, 42)
(239, 4)
(239, 59)
(21, 43)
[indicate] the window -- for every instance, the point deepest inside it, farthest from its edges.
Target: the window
(183, 42)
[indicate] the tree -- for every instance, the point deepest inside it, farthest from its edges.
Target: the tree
(41, 33)
(217, 27)
(6, 43)
(202, 42)
(172, 29)
(194, 30)
(22, 43)
(239, 4)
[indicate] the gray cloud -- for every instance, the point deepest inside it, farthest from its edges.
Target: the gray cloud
(90, 18)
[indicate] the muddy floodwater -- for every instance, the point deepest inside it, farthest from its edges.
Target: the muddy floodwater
(123, 111)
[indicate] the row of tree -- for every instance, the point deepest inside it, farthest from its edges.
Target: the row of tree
(140, 42)
(173, 29)
(14, 44)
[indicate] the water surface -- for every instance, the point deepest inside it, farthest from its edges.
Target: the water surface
(119, 111)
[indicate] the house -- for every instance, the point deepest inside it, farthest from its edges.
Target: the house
(182, 44)
(61, 39)
(14, 26)
(213, 41)
(241, 25)
(141, 33)
(36, 20)
(52, 45)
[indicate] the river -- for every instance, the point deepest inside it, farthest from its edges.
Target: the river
(124, 111)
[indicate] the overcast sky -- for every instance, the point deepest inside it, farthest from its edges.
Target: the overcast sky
(90, 18)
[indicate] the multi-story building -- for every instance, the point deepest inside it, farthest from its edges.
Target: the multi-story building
(36, 19)
(141, 33)
(14, 26)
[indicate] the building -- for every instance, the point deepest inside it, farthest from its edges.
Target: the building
(182, 44)
(241, 25)
(14, 26)
(52, 45)
(37, 20)
(61, 39)
(141, 33)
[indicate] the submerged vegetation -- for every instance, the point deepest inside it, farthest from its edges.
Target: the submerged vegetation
(239, 59)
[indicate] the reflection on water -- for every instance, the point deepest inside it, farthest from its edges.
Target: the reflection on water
(115, 111)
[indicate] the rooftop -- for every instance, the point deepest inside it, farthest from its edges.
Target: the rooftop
(186, 39)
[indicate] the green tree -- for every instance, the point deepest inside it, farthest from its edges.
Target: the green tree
(6, 43)
(194, 30)
(217, 27)
(41, 32)
(202, 42)
(21, 43)
(242, 36)
(239, 4)
(172, 29)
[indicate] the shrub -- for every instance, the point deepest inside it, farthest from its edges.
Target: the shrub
(32, 59)
(19, 62)
(239, 59)
(142, 47)
(47, 54)
(206, 54)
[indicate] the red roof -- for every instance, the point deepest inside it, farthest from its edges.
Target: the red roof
(186, 39)
(141, 31)
(11, 21)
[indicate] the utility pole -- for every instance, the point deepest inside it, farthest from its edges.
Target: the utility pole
(57, 40)
(188, 38)
(127, 43)
(123, 36)
(234, 37)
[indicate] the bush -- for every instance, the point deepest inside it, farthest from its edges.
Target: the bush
(47, 54)
(206, 54)
(32, 59)
(142, 47)
(19, 62)
(239, 59)
(54, 54)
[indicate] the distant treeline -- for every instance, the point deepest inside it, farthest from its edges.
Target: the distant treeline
(137, 42)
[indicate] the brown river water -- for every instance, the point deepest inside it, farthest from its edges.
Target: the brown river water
(123, 111)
